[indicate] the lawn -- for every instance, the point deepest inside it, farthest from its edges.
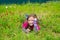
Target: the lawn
(13, 15)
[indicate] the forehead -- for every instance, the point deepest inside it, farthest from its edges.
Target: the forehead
(31, 18)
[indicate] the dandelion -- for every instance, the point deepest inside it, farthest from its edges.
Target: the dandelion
(6, 7)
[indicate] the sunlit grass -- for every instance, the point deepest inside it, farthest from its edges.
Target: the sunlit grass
(13, 15)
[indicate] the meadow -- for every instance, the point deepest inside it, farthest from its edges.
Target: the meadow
(13, 15)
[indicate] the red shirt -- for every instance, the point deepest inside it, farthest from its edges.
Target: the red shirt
(26, 25)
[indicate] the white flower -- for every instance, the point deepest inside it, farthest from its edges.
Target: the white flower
(35, 19)
(6, 7)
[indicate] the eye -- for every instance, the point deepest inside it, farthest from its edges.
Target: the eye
(30, 20)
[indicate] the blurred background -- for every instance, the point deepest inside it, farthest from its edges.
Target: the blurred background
(23, 1)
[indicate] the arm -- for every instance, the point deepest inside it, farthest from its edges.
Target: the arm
(24, 27)
(25, 24)
(36, 26)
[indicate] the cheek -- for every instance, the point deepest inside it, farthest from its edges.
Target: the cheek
(30, 22)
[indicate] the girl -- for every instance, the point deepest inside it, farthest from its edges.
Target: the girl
(31, 24)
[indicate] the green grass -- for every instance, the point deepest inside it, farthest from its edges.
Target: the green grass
(13, 15)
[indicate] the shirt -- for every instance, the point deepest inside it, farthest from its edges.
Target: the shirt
(26, 25)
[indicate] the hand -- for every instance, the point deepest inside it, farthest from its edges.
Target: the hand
(28, 30)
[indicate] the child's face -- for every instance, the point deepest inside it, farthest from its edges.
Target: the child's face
(31, 21)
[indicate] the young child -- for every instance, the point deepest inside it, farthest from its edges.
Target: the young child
(30, 24)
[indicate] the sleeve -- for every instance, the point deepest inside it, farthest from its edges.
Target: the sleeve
(25, 24)
(38, 27)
